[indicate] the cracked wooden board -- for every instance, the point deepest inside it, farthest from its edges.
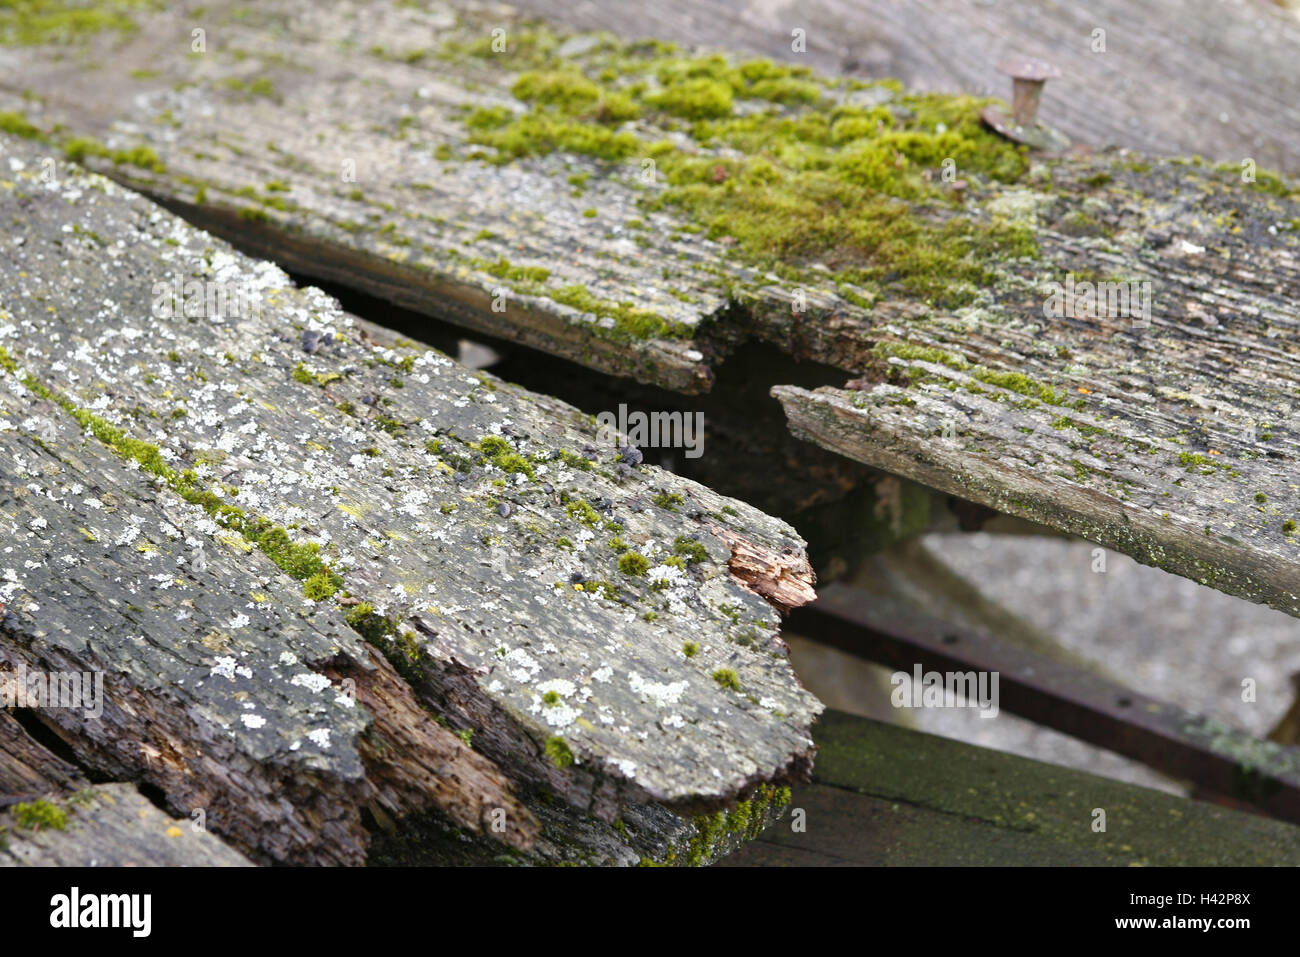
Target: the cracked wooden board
(367, 200)
(1113, 215)
(51, 815)
(114, 582)
(485, 567)
(1174, 442)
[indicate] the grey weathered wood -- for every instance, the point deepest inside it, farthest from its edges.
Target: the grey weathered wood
(1174, 443)
(1221, 257)
(221, 678)
(29, 770)
(401, 223)
(111, 825)
(1176, 77)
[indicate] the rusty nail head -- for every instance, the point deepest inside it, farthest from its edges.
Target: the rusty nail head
(1027, 78)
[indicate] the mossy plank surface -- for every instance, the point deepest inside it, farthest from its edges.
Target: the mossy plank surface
(320, 574)
(1163, 76)
(810, 214)
(885, 795)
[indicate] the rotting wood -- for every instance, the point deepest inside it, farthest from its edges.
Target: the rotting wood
(785, 579)
(28, 770)
(159, 468)
(1132, 440)
(106, 825)
(51, 815)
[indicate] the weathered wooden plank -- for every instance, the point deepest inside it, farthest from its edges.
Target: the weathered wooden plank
(115, 582)
(51, 815)
(885, 795)
(106, 825)
(815, 216)
(1219, 759)
(370, 197)
(1168, 77)
(579, 620)
(1173, 442)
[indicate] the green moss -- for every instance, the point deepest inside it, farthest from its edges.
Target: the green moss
(1266, 181)
(668, 500)
(716, 834)
(629, 321)
(539, 134)
(260, 86)
(727, 678)
(300, 561)
(568, 90)
(786, 90)
(56, 22)
(322, 586)
(1289, 527)
(78, 148)
(690, 649)
(16, 123)
(582, 512)
(389, 424)
(1022, 384)
(810, 178)
(912, 352)
(557, 749)
(40, 815)
(1195, 461)
(366, 622)
(502, 269)
(633, 563)
(696, 99)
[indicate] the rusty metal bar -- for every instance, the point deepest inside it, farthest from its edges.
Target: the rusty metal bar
(1256, 774)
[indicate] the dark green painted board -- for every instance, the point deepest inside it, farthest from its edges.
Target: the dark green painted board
(884, 795)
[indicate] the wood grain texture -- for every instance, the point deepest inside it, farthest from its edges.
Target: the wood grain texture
(1177, 77)
(494, 588)
(1156, 462)
(112, 825)
(1172, 442)
(51, 815)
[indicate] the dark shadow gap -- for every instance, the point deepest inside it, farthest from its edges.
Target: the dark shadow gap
(47, 738)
